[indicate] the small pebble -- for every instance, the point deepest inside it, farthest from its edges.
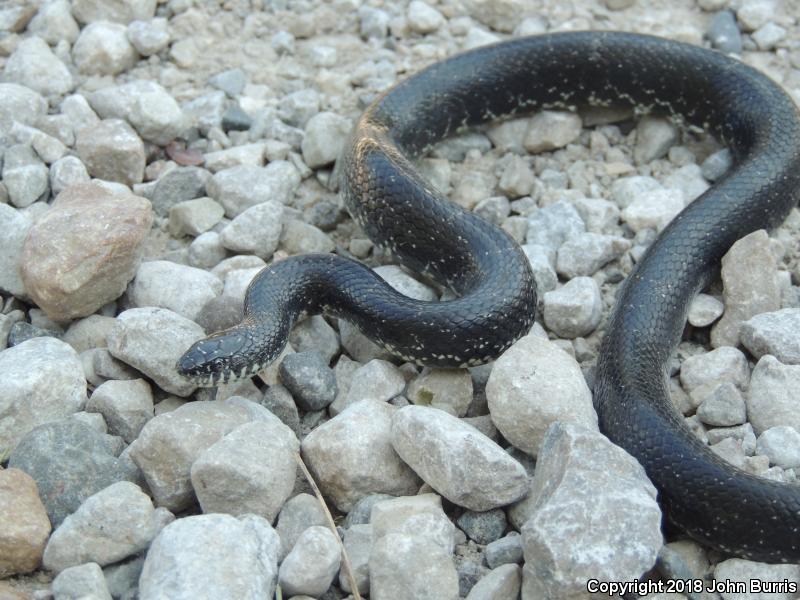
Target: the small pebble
(782, 445)
(574, 309)
(723, 33)
(312, 564)
(483, 527)
(309, 379)
(776, 333)
(81, 581)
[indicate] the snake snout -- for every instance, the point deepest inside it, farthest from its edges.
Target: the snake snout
(215, 359)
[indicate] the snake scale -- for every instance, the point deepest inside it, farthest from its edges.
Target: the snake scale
(399, 210)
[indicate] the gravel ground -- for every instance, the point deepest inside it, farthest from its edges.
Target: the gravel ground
(156, 155)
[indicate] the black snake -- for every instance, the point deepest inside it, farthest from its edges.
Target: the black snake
(400, 211)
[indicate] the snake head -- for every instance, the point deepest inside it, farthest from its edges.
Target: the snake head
(219, 358)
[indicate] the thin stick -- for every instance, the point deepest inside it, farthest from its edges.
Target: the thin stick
(345, 559)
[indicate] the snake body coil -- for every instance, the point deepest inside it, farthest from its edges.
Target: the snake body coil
(711, 500)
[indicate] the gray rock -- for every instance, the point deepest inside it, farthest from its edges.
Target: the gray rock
(776, 333)
(41, 380)
(653, 209)
(244, 154)
(483, 527)
(302, 238)
(584, 254)
(469, 572)
(449, 390)
(750, 286)
(517, 179)
(723, 33)
(505, 550)
(195, 217)
(22, 331)
(581, 479)
(236, 119)
(542, 261)
(312, 564)
(239, 188)
(552, 225)
(205, 112)
(406, 566)
(419, 515)
(298, 107)
(181, 289)
(722, 364)
(772, 395)
(310, 380)
(325, 135)
(14, 226)
(654, 137)
(550, 130)
(738, 569)
(357, 543)
(89, 332)
(152, 340)
(314, 333)
(231, 81)
(67, 171)
(25, 176)
(103, 48)
(34, 65)
(122, 578)
(47, 147)
(626, 190)
(20, 104)
(374, 23)
(88, 11)
(473, 471)
(212, 556)
(405, 283)
(255, 459)
(298, 514)
(717, 164)
(112, 150)
(146, 105)
(704, 310)
(257, 230)
(279, 401)
(125, 405)
(149, 37)
(574, 309)
(423, 18)
(502, 582)
(283, 42)
(165, 452)
(350, 456)
(82, 581)
(206, 251)
(723, 406)
(116, 522)
(769, 35)
(532, 385)
(782, 445)
(53, 23)
(600, 216)
(378, 380)
(70, 461)
(177, 185)
(688, 179)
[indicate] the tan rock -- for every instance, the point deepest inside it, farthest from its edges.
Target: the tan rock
(112, 150)
(83, 252)
(24, 526)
